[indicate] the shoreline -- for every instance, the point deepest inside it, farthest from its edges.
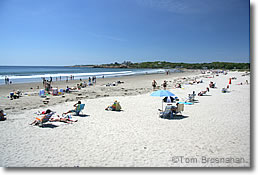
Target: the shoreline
(31, 100)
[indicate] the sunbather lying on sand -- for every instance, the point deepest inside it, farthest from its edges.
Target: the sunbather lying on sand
(202, 93)
(63, 118)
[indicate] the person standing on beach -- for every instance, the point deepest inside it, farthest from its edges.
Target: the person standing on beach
(43, 81)
(164, 84)
(154, 84)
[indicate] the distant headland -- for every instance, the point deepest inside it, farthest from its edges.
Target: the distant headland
(170, 65)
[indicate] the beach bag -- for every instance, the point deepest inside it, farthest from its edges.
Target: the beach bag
(61, 92)
(55, 91)
(42, 93)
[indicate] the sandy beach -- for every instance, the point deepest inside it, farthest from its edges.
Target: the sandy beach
(213, 132)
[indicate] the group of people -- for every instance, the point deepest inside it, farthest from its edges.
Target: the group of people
(15, 94)
(92, 80)
(47, 84)
(7, 80)
(164, 84)
(49, 115)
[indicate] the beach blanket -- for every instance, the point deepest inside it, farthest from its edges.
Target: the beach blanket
(186, 103)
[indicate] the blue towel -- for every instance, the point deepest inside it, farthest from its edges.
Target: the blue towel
(186, 103)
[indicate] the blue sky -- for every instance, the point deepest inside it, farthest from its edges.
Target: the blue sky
(68, 32)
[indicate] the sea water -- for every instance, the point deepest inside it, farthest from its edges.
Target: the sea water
(26, 74)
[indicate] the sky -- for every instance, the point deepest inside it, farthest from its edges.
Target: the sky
(69, 32)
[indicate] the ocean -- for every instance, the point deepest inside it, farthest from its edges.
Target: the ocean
(26, 74)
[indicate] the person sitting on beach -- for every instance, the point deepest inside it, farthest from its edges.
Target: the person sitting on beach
(224, 90)
(75, 107)
(67, 90)
(178, 86)
(174, 108)
(15, 94)
(212, 85)
(2, 115)
(78, 86)
(115, 107)
(45, 118)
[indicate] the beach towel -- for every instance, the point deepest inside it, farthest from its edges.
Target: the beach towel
(186, 103)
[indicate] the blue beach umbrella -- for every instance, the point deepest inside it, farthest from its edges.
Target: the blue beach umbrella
(162, 93)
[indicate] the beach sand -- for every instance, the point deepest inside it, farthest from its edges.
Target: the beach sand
(214, 132)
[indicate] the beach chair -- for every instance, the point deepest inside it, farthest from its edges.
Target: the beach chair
(167, 113)
(45, 120)
(79, 109)
(180, 108)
